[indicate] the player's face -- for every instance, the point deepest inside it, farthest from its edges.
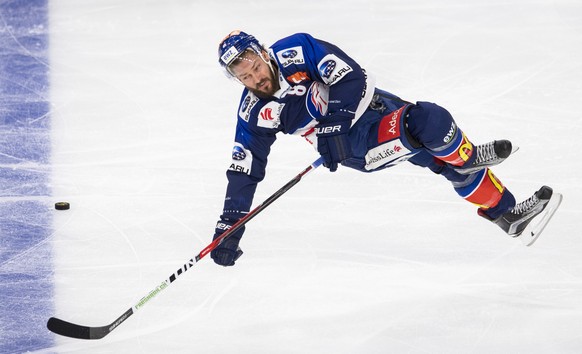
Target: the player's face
(255, 74)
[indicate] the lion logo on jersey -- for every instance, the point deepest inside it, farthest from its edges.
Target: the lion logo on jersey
(317, 100)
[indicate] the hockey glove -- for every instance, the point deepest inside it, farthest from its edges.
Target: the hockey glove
(333, 143)
(228, 251)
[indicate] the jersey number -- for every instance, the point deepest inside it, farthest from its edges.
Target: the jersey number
(297, 90)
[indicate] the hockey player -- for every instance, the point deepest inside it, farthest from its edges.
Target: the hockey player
(311, 88)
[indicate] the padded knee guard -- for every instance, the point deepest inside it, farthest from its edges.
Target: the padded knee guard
(457, 152)
(434, 127)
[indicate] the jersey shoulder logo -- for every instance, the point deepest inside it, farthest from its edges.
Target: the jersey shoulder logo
(326, 68)
(332, 69)
(246, 106)
(290, 56)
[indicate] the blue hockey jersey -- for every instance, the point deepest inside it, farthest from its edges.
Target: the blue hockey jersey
(317, 79)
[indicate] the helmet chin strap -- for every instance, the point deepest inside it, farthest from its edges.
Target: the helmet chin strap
(270, 64)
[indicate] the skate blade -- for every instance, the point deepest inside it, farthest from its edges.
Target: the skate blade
(531, 233)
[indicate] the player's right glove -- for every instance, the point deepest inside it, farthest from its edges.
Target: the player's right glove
(228, 251)
(333, 143)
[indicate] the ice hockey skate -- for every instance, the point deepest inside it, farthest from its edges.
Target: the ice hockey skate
(489, 154)
(528, 219)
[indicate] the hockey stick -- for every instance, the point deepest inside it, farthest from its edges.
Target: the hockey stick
(73, 330)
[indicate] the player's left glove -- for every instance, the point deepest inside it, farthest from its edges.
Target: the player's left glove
(333, 143)
(228, 251)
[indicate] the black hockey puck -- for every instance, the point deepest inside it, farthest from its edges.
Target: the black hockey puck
(62, 206)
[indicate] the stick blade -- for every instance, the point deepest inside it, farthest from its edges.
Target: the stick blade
(73, 330)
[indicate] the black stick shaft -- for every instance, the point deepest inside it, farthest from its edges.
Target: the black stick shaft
(73, 330)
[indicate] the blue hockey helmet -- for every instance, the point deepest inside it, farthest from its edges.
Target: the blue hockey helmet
(233, 45)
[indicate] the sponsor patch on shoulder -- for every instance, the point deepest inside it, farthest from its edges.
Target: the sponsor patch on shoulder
(246, 106)
(332, 69)
(290, 56)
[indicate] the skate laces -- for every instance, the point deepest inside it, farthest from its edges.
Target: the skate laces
(486, 153)
(526, 205)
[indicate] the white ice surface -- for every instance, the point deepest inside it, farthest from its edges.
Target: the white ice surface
(391, 262)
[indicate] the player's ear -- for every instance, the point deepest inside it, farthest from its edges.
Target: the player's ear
(265, 56)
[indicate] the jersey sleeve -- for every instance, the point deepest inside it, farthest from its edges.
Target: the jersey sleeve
(252, 145)
(302, 57)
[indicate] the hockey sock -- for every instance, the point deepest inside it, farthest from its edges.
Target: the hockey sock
(506, 203)
(484, 189)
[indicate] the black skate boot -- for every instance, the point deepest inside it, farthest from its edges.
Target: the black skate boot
(490, 154)
(529, 218)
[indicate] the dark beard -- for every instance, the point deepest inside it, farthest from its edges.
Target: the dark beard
(263, 95)
(274, 84)
(260, 94)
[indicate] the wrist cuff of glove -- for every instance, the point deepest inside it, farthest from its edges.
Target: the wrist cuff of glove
(224, 225)
(333, 128)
